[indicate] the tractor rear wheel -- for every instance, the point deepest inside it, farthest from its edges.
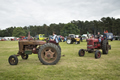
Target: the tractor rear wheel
(81, 52)
(13, 60)
(49, 54)
(105, 47)
(97, 54)
(24, 56)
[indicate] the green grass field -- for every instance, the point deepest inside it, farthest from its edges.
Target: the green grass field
(70, 67)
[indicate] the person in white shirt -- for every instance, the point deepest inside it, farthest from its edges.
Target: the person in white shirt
(55, 38)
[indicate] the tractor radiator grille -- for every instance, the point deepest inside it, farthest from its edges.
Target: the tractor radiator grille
(89, 42)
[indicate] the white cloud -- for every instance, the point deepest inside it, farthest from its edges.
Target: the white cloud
(39, 12)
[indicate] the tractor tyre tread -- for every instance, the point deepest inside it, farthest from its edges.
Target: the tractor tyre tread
(104, 44)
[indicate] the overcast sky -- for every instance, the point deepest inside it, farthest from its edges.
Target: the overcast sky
(38, 12)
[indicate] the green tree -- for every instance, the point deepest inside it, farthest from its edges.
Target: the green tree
(19, 31)
(45, 29)
(26, 30)
(70, 29)
(108, 24)
(2, 33)
(79, 24)
(9, 31)
(117, 27)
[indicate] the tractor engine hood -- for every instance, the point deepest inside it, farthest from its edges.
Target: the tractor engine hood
(31, 42)
(93, 40)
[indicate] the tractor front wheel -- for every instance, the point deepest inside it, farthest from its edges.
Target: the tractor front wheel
(81, 52)
(13, 60)
(97, 54)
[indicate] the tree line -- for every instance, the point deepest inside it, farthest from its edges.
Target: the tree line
(74, 27)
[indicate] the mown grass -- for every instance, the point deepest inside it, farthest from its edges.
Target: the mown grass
(70, 67)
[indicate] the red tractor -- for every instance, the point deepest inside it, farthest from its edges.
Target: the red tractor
(93, 45)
